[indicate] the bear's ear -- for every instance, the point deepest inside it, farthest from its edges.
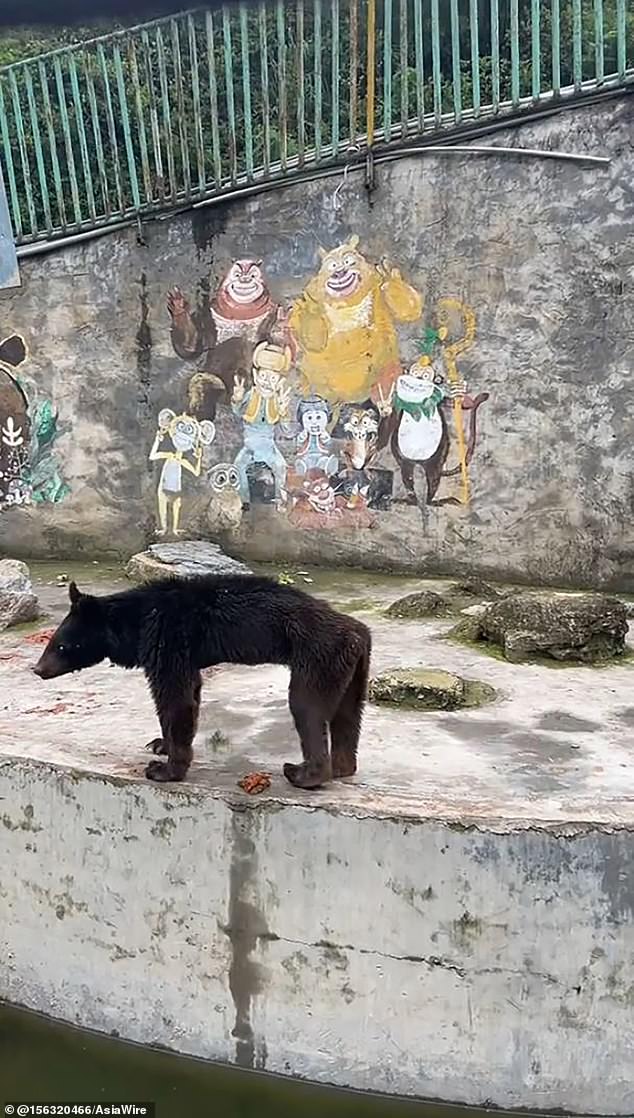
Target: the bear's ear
(74, 594)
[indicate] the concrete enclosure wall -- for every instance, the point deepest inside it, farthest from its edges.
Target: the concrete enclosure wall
(437, 377)
(491, 962)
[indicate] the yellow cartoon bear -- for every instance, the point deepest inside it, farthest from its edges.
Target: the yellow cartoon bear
(345, 325)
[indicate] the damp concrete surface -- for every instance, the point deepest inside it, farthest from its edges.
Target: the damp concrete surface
(454, 923)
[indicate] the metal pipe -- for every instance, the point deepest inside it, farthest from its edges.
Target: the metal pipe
(543, 153)
(42, 247)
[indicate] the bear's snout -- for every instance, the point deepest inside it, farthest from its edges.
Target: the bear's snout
(48, 667)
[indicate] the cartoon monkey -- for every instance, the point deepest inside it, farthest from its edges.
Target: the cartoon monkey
(345, 324)
(417, 427)
(314, 441)
(225, 332)
(187, 436)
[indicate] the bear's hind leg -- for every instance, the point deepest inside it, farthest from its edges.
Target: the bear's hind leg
(309, 710)
(345, 725)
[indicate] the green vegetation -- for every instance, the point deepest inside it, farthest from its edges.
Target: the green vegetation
(195, 102)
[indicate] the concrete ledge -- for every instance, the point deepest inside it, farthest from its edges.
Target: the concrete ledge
(420, 957)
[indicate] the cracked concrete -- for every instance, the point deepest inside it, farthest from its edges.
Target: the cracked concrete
(456, 923)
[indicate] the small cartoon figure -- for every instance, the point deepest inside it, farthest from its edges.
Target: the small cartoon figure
(224, 509)
(187, 436)
(418, 428)
(314, 441)
(356, 495)
(261, 408)
(316, 504)
(319, 502)
(18, 493)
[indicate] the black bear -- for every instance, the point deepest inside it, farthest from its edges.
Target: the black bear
(172, 629)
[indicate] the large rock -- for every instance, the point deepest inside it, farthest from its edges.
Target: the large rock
(184, 559)
(18, 603)
(427, 689)
(586, 627)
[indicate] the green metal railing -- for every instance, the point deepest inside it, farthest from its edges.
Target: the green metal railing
(214, 100)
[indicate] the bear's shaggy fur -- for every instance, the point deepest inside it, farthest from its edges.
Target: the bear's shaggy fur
(173, 629)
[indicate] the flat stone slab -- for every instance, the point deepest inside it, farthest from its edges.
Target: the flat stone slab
(428, 689)
(183, 559)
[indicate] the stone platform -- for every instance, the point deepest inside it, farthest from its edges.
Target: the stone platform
(456, 922)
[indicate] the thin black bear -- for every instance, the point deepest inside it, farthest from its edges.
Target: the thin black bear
(172, 629)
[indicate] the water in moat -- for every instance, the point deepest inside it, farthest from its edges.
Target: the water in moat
(42, 1061)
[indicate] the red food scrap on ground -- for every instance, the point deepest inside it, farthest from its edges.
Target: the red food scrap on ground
(253, 783)
(43, 637)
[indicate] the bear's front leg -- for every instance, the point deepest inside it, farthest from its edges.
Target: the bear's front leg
(177, 709)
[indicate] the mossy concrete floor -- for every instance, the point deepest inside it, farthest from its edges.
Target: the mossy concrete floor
(557, 745)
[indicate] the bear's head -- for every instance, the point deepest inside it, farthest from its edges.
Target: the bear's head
(79, 642)
(345, 276)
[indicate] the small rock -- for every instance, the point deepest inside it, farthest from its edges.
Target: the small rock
(18, 603)
(185, 559)
(460, 597)
(475, 610)
(425, 603)
(466, 630)
(581, 627)
(473, 588)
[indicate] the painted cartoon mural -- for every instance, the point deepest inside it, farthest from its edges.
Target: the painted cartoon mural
(224, 510)
(223, 332)
(330, 424)
(345, 324)
(177, 436)
(29, 473)
(314, 448)
(261, 408)
(320, 503)
(414, 412)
